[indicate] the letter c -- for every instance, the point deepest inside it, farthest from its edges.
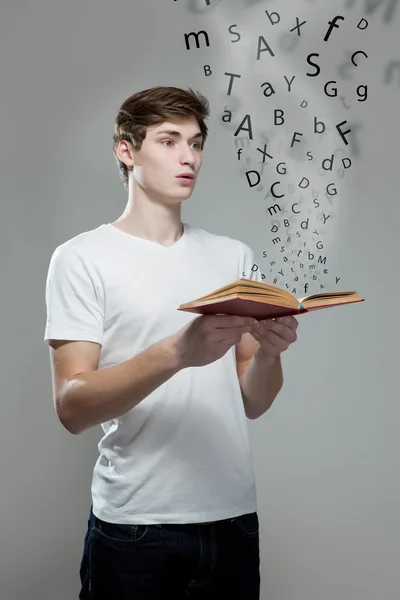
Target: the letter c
(272, 190)
(355, 54)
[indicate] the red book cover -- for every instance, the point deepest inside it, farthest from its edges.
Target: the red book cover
(251, 308)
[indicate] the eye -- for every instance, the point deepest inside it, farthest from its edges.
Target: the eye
(167, 142)
(196, 144)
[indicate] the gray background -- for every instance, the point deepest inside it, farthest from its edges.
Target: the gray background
(326, 454)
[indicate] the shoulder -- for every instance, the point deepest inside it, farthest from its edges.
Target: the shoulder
(83, 243)
(78, 254)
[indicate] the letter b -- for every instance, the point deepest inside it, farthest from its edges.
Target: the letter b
(271, 15)
(278, 115)
(316, 123)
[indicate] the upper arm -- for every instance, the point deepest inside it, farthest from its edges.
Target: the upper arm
(75, 318)
(245, 349)
(74, 298)
(68, 359)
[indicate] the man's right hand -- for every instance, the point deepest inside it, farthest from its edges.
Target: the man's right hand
(207, 338)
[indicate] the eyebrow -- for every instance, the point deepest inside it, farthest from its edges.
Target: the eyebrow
(177, 134)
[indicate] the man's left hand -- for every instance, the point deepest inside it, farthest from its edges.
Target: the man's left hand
(274, 336)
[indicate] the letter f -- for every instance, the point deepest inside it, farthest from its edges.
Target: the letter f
(332, 24)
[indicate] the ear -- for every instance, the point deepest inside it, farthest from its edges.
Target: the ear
(126, 153)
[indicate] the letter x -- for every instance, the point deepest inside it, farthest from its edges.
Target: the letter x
(298, 26)
(264, 153)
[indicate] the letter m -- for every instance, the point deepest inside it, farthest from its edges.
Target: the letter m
(242, 142)
(196, 36)
(274, 209)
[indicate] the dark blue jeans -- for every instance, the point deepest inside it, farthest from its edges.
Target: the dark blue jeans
(215, 561)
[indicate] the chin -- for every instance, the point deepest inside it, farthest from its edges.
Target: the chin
(184, 195)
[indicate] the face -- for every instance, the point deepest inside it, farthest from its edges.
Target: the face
(169, 151)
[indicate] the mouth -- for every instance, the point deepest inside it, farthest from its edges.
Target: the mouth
(185, 178)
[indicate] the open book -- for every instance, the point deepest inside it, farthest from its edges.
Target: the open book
(248, 298)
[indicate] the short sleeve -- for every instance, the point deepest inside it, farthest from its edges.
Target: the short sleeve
(250, 269)
(74, 299)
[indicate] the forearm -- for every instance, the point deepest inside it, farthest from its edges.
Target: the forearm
(94, 397)
(260, 384)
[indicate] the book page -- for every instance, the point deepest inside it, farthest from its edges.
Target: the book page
(246, 286)
(331, 300)
(326, 295)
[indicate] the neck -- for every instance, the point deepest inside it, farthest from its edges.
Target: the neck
(149, 219)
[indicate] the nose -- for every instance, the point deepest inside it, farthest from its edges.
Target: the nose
(187, 157)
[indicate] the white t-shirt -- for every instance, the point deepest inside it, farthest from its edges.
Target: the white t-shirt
(182, 455)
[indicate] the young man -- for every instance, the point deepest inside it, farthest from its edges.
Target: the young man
(174, 502)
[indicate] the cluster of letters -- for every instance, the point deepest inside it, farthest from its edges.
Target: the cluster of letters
(297, 210)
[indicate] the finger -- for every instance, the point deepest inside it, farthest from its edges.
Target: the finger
(285, 332)
(234, 322)
(274, 326)
(273, 340)
(228, 341)
(278, 334)
(288, 321)
(225, 334)
(270, 349)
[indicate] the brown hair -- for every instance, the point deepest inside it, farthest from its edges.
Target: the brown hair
(152, 107)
